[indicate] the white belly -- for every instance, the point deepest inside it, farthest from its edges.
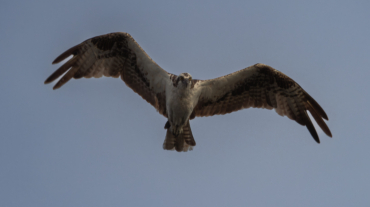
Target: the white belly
(179, 110)
(180, 105)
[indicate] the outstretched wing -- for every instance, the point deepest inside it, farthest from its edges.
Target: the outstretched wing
(115, 55)
(260, 86)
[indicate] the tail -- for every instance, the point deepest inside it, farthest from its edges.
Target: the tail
(181, 143)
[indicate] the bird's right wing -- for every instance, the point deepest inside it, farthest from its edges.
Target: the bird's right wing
(114, 55)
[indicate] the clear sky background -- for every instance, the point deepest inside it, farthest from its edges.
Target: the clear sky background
(94, 142)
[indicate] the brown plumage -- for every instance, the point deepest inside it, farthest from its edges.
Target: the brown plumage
(111, 56)
(258, 86)
(263, 87)
(182, 143)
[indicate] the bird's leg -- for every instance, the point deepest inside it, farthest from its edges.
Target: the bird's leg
(176, 130)
(167, 125)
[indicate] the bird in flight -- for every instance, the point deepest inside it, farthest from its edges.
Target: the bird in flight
(180, 98)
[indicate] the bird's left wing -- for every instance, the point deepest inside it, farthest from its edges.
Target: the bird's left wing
(114, 55)
(260, 86)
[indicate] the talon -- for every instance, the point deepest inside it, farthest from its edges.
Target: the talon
(176, 130)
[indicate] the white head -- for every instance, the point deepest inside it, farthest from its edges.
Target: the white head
(184, 80)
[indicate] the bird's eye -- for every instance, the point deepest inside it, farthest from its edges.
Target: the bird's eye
(190, 79)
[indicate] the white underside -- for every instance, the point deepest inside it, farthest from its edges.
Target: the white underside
(180, 105)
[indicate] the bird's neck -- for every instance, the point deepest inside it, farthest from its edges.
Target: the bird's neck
(183, 90)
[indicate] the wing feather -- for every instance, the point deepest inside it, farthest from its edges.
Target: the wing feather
(319, 120)
(260, 86)
(115, 55)
(64, 55)
(61, 70)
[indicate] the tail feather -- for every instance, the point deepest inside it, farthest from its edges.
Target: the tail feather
(182, 143)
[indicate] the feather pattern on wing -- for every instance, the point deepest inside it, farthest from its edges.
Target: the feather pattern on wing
(116, 55)
(260, 86)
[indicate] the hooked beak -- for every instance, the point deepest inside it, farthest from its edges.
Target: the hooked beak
(185, 82)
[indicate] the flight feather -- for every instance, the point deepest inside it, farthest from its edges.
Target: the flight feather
(115, 55)
(260, 86)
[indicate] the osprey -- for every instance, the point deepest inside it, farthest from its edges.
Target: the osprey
(182, 98)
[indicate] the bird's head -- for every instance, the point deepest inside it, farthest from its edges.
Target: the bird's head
(184, 80)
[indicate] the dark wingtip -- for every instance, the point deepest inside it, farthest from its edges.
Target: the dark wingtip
(60, 71)
(64, 55)
(312, 129)
(318, 119)
(49, 80)
(65, 78)
(316, 106)
(313, 133)
(57, 86)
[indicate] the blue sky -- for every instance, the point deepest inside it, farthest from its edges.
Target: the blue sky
(94, 142)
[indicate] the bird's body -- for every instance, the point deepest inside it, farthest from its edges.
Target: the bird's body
(181, 102)
(181, 98)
